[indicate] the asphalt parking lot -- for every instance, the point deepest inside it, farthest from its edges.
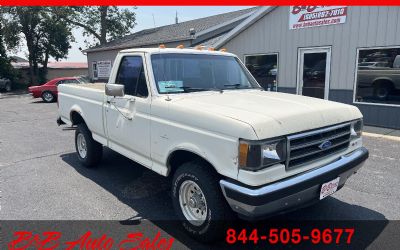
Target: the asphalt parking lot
(41, 179)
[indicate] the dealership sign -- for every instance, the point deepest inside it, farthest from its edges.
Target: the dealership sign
(313, 16)
(104, 69)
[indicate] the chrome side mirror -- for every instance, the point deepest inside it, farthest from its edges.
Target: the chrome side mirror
(115, 89)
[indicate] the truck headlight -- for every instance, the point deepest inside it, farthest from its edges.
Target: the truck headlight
(356, 128)
(256, 155)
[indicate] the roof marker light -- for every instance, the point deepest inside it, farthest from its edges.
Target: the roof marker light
(211, 49)
(199, 47)
(162, 46)
(180, 46)
(223, 50)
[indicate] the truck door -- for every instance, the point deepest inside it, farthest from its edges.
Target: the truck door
(128, 117)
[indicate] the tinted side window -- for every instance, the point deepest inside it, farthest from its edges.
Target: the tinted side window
(70, 81)
(131, 75)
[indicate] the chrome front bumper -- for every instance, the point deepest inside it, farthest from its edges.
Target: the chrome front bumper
(293, 192)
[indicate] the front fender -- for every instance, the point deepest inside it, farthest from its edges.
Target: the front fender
(222, 159)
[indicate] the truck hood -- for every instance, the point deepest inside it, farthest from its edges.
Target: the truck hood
(270, 114)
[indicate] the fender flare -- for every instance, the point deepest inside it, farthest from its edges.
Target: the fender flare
(77, 109)
(188, 147)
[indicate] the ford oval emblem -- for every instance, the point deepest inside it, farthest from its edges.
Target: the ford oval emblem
(325, 145)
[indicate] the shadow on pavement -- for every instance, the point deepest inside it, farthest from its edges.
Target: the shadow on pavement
(148, 194)
(38, 101)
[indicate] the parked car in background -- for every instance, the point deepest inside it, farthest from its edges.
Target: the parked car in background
(48, 91)
(5, 84)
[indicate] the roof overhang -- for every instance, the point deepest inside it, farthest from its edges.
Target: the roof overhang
(242, 26)
(200, 36)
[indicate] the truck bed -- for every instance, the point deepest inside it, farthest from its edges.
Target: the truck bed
(87, 100)
(98, 85)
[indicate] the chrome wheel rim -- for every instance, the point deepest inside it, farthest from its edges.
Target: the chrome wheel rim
(81, 145)
(48, 97)
(193, 202)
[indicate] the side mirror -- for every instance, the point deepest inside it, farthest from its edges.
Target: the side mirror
(115, 89)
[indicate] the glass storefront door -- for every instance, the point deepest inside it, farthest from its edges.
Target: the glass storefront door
(313, 72)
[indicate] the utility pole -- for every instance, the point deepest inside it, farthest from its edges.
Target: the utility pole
(176, 17)
(154, 21)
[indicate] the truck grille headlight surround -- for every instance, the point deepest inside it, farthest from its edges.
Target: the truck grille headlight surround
(256, 155)
(356, 128)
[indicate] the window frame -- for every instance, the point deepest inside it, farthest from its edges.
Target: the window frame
(97, 77)
(264, 54)
(144, 71)
(329, 56)
(356, 71)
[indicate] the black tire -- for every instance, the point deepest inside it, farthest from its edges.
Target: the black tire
(218, 211)
(48, 97)
(94, 150)
(382, 90)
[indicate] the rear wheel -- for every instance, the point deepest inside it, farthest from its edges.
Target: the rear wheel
(88, 150)
(47, 96)
(382, 90)
(199, 203)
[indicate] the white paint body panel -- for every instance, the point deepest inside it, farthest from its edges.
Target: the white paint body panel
(208, 123)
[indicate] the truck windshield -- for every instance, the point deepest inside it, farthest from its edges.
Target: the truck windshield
(178, 73)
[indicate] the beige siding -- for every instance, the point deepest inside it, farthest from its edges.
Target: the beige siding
(364, 27)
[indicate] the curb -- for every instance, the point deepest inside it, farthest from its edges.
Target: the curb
(389, 137)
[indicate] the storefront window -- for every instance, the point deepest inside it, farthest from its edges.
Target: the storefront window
(378, 76)
(265, 69)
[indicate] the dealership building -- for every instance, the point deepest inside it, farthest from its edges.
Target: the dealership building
(344, 54)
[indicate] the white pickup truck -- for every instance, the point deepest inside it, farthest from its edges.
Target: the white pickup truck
(230, 147)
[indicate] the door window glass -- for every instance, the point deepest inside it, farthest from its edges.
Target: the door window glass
(314, 73)
(131, 75)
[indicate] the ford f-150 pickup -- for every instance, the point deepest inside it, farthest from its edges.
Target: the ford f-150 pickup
(230, 147)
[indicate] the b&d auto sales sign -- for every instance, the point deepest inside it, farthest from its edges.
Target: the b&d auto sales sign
(313, 16)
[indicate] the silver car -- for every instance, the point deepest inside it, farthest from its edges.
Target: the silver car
(5, 84)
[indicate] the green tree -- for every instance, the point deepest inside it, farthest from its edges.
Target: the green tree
(103, 23)
(8, 40)
(45, 34)
(6, 69)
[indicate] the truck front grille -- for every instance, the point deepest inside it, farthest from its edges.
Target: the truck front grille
(305, 148)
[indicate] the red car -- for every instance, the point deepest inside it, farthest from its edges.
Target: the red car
(48, 91)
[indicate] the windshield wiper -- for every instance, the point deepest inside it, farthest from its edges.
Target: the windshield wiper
(236, 85)
(194, 89)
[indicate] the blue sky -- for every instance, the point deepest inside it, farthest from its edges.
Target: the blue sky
(144, 18)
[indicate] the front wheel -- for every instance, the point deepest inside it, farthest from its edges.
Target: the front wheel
(199, 203)
(88, 150)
